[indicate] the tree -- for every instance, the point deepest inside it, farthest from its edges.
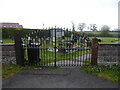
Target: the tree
(81, 26)
(93, 27)
(105, 30)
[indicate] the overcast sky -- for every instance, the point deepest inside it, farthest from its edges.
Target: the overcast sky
(35, 13)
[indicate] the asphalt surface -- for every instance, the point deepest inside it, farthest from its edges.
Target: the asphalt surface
(56, 78)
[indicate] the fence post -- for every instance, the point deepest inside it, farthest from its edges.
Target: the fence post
(18, 47)
(94, 51)
(55, 46)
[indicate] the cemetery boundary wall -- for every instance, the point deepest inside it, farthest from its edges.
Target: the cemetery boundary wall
(8, 53)
(108, 54)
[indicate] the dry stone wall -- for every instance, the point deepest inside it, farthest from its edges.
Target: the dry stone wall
(108, 54)
(8, 53)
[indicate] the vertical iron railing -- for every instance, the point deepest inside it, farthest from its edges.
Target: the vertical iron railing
(55, 46)
(68, 47)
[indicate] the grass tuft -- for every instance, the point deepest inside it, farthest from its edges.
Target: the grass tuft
(10, 69)
(108, 72)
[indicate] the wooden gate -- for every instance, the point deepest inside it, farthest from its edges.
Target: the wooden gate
(53, 47)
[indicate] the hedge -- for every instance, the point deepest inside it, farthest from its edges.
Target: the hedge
(9, 32)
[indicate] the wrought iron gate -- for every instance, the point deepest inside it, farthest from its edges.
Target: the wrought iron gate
(56, 47)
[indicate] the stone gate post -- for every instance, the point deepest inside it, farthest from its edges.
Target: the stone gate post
(18, 47)
(94, 51)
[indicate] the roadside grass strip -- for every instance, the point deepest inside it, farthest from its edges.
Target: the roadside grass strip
(110, 73)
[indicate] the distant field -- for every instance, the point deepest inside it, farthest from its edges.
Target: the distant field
(107, 39)
(100, 32)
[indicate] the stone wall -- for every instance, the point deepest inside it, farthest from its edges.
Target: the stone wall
(108, 54)
(8, 53)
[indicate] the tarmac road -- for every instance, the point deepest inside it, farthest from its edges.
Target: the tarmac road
(56, 78)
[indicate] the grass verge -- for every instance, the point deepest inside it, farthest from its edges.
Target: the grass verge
(10, 69)
(110, 73)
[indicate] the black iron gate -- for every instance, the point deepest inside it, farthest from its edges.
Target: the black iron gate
(56, 47)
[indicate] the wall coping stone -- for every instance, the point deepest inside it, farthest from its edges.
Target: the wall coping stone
(8, 44)
(109, 44)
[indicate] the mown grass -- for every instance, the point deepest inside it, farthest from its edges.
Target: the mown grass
(49, 56)
(8, 41)
(10, 69)
(110, 73)
(116, 33)
(104, 40)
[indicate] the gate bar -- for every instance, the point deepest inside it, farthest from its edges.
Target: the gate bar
(55, 46)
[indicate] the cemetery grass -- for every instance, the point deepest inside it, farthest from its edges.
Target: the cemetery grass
(49, 56)
(104, 40)
(8, 41)
(10, 69)
(110, 73)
